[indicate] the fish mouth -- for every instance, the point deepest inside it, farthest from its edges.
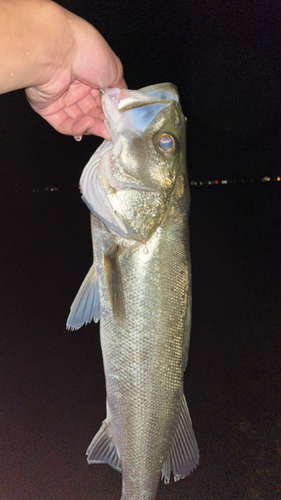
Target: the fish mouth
(131, 109)
(116, 101)
(109, 101)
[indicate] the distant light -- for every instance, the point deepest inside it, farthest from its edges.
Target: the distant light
(235, 181)
(46, 189)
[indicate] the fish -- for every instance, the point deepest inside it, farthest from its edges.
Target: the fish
(139, 287)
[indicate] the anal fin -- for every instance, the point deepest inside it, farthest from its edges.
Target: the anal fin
(86, 305)
(102, 449)
(183, 456)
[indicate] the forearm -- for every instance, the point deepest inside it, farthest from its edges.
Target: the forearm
(30, 32)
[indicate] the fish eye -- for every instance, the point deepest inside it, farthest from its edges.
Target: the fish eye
(167, 144)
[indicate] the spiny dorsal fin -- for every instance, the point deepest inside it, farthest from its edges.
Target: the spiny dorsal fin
(183, 456)
(102, 449)
(86, 305)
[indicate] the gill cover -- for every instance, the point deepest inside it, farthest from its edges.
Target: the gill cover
(126, 111)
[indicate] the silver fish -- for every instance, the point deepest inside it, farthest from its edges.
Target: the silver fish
(139, 286)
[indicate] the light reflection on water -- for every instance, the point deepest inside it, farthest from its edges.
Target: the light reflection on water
(235, 181)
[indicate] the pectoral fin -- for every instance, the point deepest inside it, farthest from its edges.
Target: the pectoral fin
(183, 456)
(86, 305)
(113, 280)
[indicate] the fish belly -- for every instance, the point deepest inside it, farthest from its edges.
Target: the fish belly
(143, 356)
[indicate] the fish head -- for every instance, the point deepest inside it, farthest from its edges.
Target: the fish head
(136, 174)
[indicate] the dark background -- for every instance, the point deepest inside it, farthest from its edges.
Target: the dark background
(225, 59)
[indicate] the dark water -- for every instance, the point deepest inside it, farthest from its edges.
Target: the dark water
(52, 387)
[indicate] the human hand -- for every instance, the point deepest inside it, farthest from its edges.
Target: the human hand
(69, 97)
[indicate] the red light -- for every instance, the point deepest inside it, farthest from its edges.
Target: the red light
(217, 182)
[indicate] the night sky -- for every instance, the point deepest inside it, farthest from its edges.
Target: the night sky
(225, 60)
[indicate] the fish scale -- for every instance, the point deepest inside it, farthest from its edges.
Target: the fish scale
(140, 288)
(150, 341)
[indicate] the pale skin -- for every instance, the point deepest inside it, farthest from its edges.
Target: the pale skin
(60, 60)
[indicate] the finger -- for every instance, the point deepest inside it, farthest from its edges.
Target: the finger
(64, 123)
(81, 125)
(87, 127)
(119, 81)
(80, 92)
(121, 84)
(89, 103)
(100, 130)
(82, 109)
(73, 111)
